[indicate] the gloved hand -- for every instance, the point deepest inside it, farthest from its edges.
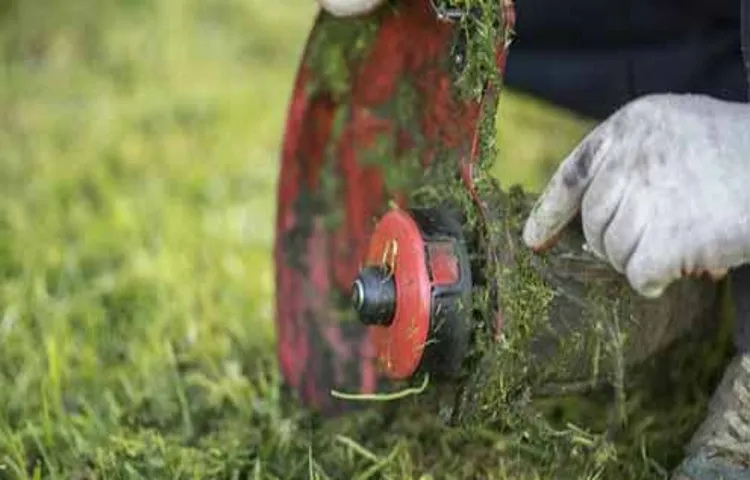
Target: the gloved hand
(663, 189)
(348, 8)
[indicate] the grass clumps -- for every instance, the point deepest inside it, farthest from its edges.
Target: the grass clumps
(576, 386)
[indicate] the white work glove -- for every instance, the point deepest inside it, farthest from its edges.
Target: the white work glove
(663, 189)
(349, 8)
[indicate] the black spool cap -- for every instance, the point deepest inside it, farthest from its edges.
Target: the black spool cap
(374, 296)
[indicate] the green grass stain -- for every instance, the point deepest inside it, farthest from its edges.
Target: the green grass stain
(336, 47)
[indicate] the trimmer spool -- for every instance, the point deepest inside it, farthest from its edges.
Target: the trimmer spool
(414, 293)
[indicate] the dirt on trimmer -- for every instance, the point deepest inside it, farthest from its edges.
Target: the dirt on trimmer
(398, 257)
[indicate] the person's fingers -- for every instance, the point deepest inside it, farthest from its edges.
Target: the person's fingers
(561, 200)
(654, 265)
(348, 8)
(717, 274)
(623, 234)
(601, 203)
(658, 260)
(722, 242)
(655, 287)
(714, 274)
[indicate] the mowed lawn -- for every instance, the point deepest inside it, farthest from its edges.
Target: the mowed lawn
(139, 149)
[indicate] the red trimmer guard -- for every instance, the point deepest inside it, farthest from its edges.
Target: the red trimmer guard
(341, 152)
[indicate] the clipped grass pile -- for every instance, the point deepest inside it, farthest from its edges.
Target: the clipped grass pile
(139, 146)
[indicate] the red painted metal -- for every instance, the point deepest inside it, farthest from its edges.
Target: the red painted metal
(443, 263)
(320, 349)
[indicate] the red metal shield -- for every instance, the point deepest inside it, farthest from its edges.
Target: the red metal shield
(343, 161)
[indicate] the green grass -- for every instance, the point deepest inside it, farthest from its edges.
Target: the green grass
(139, 148)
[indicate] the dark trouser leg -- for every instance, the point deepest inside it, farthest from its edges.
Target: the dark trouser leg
(721, 446)
(740, 279)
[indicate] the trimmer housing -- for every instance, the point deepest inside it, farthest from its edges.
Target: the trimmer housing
(414, 294)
